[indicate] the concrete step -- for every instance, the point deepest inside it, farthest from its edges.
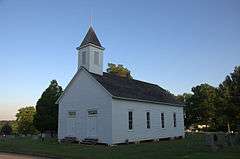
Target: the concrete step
(89, 141)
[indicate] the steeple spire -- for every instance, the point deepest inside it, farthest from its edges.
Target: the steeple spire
(91, 19)
(90, 53)
(90, 38)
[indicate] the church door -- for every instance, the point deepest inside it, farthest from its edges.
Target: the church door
(92, 124)
(71, 123)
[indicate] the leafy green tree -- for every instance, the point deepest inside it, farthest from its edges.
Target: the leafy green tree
(25, 120)
(229, 104)
(46, 118)
(118, 70)
(180, 98)
(204, 103)
(14, 126)
(219, 108)
(6, 129)
(189, 109)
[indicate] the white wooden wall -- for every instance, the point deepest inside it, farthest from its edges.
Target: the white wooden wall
(85, 93)
(139, 132)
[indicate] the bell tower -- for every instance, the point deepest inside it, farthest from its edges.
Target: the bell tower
(90, 53)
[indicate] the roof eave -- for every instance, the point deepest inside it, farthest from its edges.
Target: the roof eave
(90, 44)
(148, 101)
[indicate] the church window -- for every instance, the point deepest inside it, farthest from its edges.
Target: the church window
(148, 120)
(92, 112)
(84, 58)
(174, 120)
(72, 114)
(162, 120)
(96, 58)
(130, 120)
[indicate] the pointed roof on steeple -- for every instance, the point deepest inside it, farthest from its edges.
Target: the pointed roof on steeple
(91, 38)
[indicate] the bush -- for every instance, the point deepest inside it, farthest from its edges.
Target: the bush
(6, 129)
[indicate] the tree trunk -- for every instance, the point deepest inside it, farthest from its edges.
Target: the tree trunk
(228, 126)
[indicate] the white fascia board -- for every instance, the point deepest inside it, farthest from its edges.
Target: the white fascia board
(147, 101)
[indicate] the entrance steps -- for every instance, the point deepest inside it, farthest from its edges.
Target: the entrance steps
(89, 141)
(69, 140)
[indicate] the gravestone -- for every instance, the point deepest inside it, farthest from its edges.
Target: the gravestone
(238, 127)
(215, 140)
(209, 139)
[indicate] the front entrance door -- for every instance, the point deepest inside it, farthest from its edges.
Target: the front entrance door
(71, 123)
(71, 127)
(92, 124)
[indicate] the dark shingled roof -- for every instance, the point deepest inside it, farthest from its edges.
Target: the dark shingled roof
(134, 89)
(91, 38)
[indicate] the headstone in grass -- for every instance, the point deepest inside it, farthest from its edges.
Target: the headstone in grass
(221, 141)
(35, 137)
(238, 138)
(232, 139)
(209, 139)
(214, 140)
(10, 136)
(238, 127)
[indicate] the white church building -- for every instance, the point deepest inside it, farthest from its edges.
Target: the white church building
(112, 109)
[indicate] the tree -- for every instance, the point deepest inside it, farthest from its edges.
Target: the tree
(46, 118)
(118, 70)
(25, 120)
(189, 113)
(229, 104)
(6, 129)
(204, 102)
(200, 107)
(14, 126)
(218, 108)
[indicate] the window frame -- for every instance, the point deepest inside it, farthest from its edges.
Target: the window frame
(70, 115)
(148, 120)
(130, 120)
(162, 118)
(92, 112)
(84, 58)
(96, 58)
(174, 120)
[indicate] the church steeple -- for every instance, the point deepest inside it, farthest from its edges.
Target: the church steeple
(90, 53)
(91, 38)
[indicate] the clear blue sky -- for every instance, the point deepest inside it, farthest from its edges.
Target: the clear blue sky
(176, 44)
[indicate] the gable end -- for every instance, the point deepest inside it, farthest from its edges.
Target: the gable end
(74, 78)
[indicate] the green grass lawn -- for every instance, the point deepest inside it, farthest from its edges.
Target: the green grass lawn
(190, 148)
